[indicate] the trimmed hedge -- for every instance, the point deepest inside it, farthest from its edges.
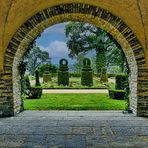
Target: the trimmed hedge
(87, 78)
(104, 76)
(87, 73)
(46, 77)
(121, 81)
(110, 75)
(63, 74)
(117, 94)
(63, 78)
(32, 92)
(35, 93)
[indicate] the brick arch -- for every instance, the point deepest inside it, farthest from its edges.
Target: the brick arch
(76, 12)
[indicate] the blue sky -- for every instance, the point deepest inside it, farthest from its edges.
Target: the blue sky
(53, 40)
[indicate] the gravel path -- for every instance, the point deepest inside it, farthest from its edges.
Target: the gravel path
(79, 91)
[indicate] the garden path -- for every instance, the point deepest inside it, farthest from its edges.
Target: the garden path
(75, 91)
(74, 129)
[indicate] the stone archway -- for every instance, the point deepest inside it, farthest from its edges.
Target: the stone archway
(75, 12)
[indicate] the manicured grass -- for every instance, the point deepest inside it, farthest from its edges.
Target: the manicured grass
(74, 102)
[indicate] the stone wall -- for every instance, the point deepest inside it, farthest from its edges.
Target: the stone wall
(86, 13)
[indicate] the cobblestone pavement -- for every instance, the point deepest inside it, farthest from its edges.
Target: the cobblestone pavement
(74, 129)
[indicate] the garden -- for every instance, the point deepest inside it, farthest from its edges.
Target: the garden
(106, 69)
(115, 100)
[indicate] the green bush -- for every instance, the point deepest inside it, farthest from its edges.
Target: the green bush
(63, 78)
(32, 92)
(63, 74)
(27, 85)
(87, 73)
(87, 78)
(35, 93)
(117, 94)
(52, 69)
(121, 82)
(110, 75)
(46, 77)
(104, 76)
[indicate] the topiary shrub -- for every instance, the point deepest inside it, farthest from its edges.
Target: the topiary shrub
(46, 75)
(35, 93)
(121, 82)
(63, 74)
(87, 73)
(104, 75)
(117, 94)
(37, 78)
(27, 85)
(32, 92)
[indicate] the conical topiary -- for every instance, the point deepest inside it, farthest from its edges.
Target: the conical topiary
(37, 78)
(46, 75)
(104, 75)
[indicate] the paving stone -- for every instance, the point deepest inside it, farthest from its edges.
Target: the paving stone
(75, 141)
(31, 129)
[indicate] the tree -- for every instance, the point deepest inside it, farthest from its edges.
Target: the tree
(77, 66)
(83, 37)
(35, 58)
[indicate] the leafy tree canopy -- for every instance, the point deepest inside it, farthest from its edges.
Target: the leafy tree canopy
(35, 58)
(83, 37)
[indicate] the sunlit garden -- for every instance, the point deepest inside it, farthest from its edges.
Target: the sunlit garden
(93, 61)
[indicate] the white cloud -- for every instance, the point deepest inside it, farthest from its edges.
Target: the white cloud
(56, 49)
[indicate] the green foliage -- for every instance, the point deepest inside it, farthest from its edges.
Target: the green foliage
(35, 58)
(74, 74)
(116, 57)
(117, 94)
(115, 69)
(46, 77)
(35, 93)
(63, 78)
(87, 73)
(86, 79)
(50, 68)
(104, 75)
(37, 78)
(100, 60)
(75, 83)
(22, 70)
(77, 66)
(31, 92)
(122, 81)
(74, 102)
(83, 37)
(63, 74)
(27, 85)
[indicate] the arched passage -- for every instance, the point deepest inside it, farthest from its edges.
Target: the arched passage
(75, 12)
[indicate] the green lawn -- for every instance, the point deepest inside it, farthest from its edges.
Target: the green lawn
(74, 102)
